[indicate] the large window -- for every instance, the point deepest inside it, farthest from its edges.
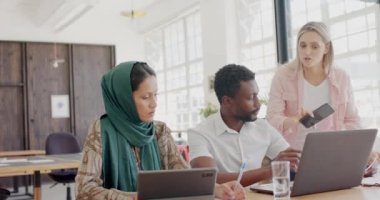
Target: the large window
(355, 31)
(257, 40)
(175, 52)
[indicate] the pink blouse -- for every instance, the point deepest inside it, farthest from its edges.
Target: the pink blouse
(286, 99)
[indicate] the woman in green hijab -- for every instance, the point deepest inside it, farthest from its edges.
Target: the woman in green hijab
(126, 139)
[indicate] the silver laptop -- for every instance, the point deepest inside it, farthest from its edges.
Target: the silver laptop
(182, 184)
(330, 161)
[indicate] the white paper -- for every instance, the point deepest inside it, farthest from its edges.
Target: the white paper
(41, 161)
(60, 106)
(372, 180)
(13, 160)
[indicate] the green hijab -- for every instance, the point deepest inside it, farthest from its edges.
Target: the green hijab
(121, 128)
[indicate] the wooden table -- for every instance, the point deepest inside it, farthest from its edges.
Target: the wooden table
(22, 153)
(66, 161)
(356, 193)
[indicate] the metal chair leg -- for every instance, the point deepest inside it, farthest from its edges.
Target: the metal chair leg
(68, 193)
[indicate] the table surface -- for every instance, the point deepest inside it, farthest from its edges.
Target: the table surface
(356, 193)
(44, 164)
(37, 165)
(32, 152)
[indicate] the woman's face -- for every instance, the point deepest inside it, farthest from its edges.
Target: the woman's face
(145, 98)
(311, 49)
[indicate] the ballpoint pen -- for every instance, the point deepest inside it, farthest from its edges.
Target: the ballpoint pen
(240, 175)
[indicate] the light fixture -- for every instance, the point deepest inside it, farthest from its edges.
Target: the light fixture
(56, 61)
(133, 13)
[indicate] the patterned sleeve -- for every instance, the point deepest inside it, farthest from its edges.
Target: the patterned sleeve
(88, 181)
(169, 154)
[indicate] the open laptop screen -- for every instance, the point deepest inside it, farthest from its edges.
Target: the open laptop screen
(331, 161)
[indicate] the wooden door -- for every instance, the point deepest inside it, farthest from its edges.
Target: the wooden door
(90, 62)
(11, 97)
(44, 80)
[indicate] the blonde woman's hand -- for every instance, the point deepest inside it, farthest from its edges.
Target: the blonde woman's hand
(228, 191)
(291, 122)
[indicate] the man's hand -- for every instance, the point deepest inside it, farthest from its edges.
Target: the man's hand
(291, 155)
(371, 167)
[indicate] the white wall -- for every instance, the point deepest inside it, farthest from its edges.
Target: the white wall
(95, 27)
(219, 39)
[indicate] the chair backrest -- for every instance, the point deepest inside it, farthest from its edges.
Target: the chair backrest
(4, 194)
(62, 143)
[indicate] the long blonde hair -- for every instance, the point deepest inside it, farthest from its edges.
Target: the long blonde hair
(323, 31)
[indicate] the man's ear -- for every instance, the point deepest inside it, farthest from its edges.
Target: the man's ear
(226, 101)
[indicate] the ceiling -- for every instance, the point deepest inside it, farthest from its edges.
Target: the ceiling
(60, 14)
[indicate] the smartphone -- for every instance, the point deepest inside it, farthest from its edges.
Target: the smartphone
(320, 113)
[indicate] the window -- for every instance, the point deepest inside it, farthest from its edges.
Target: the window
(175, 53)
(354, 27)
(257, 41)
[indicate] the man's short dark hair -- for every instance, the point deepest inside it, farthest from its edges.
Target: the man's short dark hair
(228, 78)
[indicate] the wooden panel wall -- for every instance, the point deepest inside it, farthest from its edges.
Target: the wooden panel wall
(28, 79)
(11, 96)
(90, 62)
(45, 80)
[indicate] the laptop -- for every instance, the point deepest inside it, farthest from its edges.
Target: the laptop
(330, 161)
(197, 183)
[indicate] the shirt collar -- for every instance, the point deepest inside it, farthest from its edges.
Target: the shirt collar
(220, 126)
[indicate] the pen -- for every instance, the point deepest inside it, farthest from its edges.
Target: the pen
(240, 175)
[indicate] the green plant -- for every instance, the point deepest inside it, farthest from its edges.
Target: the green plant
(208, 110)
(264, 100)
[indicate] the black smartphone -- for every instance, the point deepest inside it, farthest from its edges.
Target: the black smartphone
(320, 113)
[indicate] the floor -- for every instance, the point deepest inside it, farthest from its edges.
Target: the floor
(58, 192)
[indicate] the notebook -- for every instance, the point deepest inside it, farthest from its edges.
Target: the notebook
(330, 161)
(182, 184)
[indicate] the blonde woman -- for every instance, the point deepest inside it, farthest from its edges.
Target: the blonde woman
(306, 83)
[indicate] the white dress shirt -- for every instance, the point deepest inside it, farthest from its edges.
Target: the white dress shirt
(229, 148)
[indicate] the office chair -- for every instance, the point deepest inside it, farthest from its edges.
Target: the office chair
(4, 194)
(62, 143)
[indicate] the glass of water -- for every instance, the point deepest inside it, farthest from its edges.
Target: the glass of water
(281, 179)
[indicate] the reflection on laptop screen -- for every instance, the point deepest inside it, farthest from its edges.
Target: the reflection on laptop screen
(195, 183)
(330, 161)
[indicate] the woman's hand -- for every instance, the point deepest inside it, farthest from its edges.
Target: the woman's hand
(291, 122)
(230, 191)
